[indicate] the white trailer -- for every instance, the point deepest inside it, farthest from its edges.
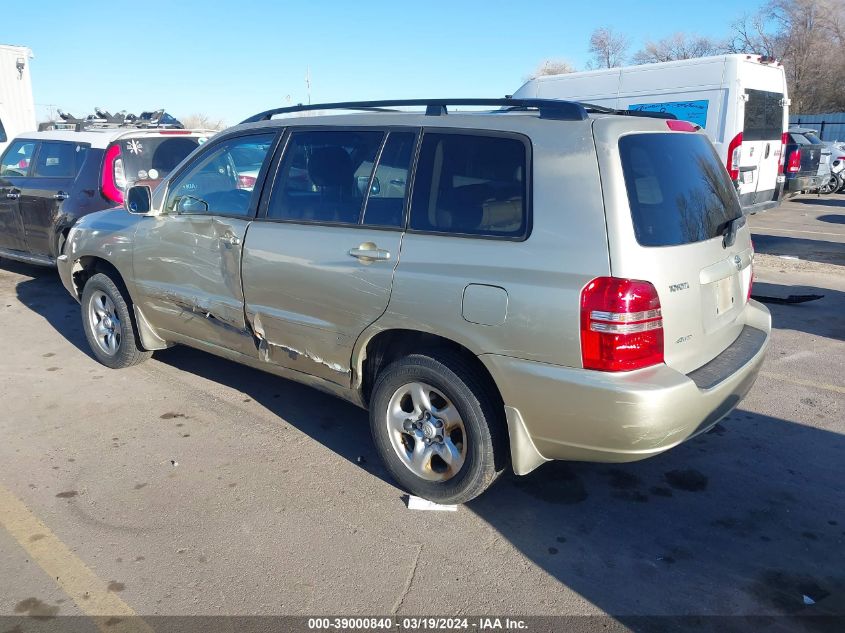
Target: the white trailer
(17, 106)
(740, 101)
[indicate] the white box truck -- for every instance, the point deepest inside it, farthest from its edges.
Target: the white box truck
(740, 101)
(17, 107)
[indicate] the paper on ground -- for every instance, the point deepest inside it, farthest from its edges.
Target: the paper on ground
(415, 503)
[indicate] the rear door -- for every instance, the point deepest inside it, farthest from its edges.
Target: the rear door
(318, 265)
(44, 193)
(668, 201)
(762, 138)
(15, 167)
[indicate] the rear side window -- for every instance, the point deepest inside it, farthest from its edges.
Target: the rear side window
(324, 176)
(386, 200)
(17, 159)
(59, 160)
(678, 190)
(763, 116)
(471, 185)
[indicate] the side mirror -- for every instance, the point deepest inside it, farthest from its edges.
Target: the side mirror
(139, 200)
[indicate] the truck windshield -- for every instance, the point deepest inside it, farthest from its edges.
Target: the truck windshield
(678, 190)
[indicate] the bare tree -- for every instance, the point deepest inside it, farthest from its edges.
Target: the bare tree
(808, 36)
(607, 48)
(201, 121)
(552, 67)
(678, 46)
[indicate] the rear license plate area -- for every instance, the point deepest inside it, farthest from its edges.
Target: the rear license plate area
(724, 295)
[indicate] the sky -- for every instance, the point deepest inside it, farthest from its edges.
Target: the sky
(230, 60)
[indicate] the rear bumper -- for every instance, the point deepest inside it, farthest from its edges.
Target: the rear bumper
(804, 183)
(577, 414)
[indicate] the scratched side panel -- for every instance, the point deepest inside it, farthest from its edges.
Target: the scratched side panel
(307, 299)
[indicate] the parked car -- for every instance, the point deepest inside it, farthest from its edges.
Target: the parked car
(824, 159)
(740, 101)
(545, 281)
(802, 164)
(51, 178)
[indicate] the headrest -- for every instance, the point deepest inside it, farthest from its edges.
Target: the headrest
(330, 166)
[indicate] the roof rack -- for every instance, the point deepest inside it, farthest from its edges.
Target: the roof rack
(548, 108)
(102, 119)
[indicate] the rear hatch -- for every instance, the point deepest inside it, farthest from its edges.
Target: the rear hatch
(669, 202)
(762, 138)
(809, 156)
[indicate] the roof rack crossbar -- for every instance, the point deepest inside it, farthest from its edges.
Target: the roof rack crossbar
(548, 108)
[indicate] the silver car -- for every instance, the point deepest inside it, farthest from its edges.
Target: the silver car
(543, 280)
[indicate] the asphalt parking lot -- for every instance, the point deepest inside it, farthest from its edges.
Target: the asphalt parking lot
(191, 485)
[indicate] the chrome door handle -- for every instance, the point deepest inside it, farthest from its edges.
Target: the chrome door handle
(231, 239)
(61, 195)
(370, 254)
(13, 194)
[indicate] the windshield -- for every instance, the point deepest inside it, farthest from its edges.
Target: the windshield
(154, 157)
(678, 190)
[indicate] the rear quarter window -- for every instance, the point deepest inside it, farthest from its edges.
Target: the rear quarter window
(472, 185)
(678, 190)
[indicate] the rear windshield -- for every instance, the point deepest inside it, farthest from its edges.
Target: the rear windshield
(763, 116)
(678, 190)
(814, 140)
(154, 157)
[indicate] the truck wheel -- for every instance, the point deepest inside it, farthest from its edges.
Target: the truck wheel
(437, 427)
(108, 324)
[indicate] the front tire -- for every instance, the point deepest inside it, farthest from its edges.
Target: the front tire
(438, 428)
(108, 324)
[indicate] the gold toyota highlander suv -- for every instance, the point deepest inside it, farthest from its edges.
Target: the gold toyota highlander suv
(541, 280)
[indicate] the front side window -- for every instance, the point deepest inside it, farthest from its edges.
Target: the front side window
(59, 160)
(17, 158)
(216, 183)
(325, 176)
(471, 185)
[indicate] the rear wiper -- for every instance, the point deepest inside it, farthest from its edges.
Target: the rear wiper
(729, 229)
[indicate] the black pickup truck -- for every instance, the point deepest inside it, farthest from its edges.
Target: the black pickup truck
(802, 164)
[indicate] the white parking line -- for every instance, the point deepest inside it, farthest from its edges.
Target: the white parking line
(771, 228)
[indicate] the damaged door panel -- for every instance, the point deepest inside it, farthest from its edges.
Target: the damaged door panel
(187, 270)
(308, 299)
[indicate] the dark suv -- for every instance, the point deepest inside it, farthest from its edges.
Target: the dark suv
(50, 179)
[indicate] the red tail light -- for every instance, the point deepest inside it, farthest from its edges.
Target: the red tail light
(113, 175)
(783, 142)
(621, 325)
(735, 156)
(246, 182)
(794, 164)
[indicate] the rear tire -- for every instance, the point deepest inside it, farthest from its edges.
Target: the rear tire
(437, 427)
(109, 325)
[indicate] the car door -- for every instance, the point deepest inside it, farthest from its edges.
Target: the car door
(318, 264)
(187, 260)
(44, 193)
(15, 166)
(761, 146)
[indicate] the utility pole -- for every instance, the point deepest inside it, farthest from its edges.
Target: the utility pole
(308, 83)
